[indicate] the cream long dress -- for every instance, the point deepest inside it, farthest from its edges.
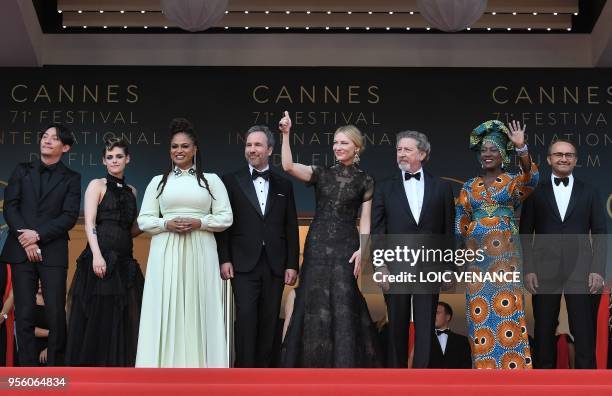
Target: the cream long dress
(181, 321)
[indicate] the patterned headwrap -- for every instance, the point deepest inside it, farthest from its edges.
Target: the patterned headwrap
(496, 133)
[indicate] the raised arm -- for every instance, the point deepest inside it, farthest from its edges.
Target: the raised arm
(517, 136)
(297, 170)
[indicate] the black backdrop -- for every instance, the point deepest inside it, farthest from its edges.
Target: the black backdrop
(223, 102)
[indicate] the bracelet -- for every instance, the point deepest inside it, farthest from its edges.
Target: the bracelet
(521, 150)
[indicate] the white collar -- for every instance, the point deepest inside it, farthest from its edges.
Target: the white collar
(263, 170)
(178, 172)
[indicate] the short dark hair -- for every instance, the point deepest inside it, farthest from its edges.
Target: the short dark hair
(447, 308)
(562, 141)
(110, 144)
(264, 129)
(64, 135)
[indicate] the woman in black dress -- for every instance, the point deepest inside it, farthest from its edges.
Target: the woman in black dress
(330, 325)
(106, 292)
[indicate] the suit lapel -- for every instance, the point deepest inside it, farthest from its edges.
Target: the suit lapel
(246, 184)
(272, 191)
(576, 190)
(550, 195)
(438, 346)
(400, 193)
(56, 177)
(35, 177)
(427, 193)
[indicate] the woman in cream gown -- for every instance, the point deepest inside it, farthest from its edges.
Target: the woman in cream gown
(181, 322)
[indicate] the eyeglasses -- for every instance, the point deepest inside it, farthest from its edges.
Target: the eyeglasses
(561, 155)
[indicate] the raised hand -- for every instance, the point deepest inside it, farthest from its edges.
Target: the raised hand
(517, 134)
(284, 125)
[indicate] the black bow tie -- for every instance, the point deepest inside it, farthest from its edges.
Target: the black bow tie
(445, 331)
(408, 176)
(559, 180)
(265, 174)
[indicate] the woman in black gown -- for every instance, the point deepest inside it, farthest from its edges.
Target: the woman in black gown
(330, 325)
(106, 292)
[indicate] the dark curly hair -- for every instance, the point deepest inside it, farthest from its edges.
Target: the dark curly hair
(183, 125)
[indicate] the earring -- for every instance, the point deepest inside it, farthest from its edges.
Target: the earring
(193, 169)
(175, 169)
(356, 158)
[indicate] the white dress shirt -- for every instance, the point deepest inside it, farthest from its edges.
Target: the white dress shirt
(562, 194)
(443, 338)
(414, 192)
(261, 188)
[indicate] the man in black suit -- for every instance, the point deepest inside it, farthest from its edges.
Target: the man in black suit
(41, 204)
(260, 251)
(452, 350)
(412, 202)
(565, 261)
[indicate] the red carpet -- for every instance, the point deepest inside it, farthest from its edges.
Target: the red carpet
(294, 382)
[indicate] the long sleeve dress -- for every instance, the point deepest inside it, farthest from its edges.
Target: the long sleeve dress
(181, 322)
(485, 220)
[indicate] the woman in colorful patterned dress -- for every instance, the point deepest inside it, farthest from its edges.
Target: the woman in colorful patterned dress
(485, 220)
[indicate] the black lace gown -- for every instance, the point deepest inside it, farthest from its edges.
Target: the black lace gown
(104, 313)
(330, 325)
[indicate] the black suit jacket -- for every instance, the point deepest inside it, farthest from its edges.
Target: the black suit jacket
(391, 215)
(391, 211)
(51, 213)
(572, 257)
(457, 354)
(242, 243)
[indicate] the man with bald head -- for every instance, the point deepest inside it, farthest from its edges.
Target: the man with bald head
(565, 261)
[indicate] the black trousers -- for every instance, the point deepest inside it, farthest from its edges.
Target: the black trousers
(25, 285)
(424, 312)
(582, 316)
(257, 295)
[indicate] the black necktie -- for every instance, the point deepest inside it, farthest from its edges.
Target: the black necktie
(408, 176)
(559, 180)
(265, 174)
(45, 176)
(445, 331)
